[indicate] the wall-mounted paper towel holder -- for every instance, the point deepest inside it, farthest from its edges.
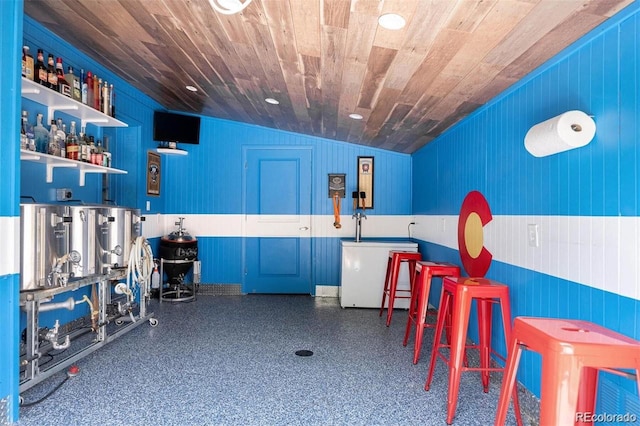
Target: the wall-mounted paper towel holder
(570, 130)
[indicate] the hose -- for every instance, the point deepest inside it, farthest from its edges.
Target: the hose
(94, 313)
(29, 404)
(140, 267)
(336, 210)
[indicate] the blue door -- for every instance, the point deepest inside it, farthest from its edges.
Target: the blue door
(277, 207)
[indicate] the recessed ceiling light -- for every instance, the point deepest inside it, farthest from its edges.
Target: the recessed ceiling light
(355, 116)
(229, 7)
(192, 88)
(272, 101)
(392, 21)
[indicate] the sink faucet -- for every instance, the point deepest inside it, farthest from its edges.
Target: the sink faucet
(358, 217)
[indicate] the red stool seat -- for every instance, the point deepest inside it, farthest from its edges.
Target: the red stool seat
(572, 353)
(463, 291)
(397, 258)
(420, 299)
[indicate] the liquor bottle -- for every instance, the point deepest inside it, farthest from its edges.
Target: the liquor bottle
(63, 85)
(155, 278)
(41, 135)
(96, 93)
(72, 142)
(106, 109)
(54, 147)
(83, 148)
(74, 81)
(106, 155)
(52, 76)
(100, 96)
(63, 141)
(31, 138)
(23, 131)
(24, 62)
(98, 158)
(112, 101)
(92, 150)
(83, 87)
(100, 99)
(27, 63)
(107, 159)
(61, 137)
(40, 72)
(90, 93)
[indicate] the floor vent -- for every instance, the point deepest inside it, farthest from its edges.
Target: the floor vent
(220, 290)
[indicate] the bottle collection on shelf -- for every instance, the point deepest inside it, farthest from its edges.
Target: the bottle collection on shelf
(88, 89)
(56, 141)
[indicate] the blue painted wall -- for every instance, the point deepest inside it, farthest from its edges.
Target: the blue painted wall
(10, 41)
(599, 74)
(209, 181)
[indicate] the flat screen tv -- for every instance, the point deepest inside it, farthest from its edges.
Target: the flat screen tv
(172, 127)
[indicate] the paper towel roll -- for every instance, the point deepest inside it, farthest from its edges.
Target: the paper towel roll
(572, 129)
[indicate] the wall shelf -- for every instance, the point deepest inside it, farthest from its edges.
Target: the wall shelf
(171, 151)
(58, 102)
(52, 162)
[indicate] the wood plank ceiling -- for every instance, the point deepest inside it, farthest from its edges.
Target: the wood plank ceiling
(325, 59)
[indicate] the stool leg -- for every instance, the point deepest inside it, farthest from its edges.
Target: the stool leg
(587, 394)
(412, 274)
(461, 310)
(393, 285)
(558, 402)
(445, 304)
(424, 286)
(506, 323)
(447, 330)
(386, 286)
(508, 381)
(413, 306)
(484, 323)
(638, 374)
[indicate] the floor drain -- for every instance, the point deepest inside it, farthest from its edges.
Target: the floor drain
(304, 352)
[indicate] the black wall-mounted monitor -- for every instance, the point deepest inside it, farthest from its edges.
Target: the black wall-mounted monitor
(172, 127)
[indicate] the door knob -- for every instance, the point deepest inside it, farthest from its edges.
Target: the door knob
(304, 228)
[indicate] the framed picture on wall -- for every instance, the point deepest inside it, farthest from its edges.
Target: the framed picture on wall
(153, 173)
(336, 184)
(365, 180)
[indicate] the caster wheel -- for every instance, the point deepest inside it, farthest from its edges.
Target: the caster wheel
(153, 322)
(119, 322)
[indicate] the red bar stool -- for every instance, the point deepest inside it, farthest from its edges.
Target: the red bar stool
(572, 353)
(420, 299)
(463, 290)
(396, 258)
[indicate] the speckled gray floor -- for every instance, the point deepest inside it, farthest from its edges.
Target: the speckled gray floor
(231, 360)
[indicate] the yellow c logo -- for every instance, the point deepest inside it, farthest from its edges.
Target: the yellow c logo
(473, 237)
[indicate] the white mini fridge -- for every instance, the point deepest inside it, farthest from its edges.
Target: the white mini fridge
(363, 271)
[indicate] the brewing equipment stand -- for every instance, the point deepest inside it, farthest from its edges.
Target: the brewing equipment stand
(30, 300)
(179, 292)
